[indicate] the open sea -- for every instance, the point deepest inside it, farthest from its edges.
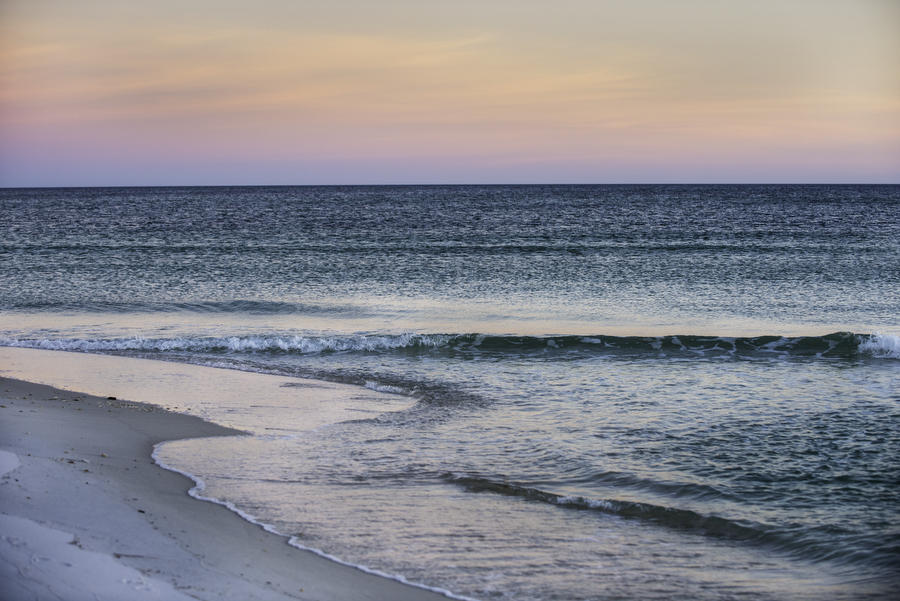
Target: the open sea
(616, 392)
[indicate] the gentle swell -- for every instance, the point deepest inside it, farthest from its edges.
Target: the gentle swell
(681, 519)
(787, 540)
(836, 345)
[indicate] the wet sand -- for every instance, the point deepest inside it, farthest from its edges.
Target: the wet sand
(85, 513)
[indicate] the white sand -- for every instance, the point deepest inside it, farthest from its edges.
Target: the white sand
(86, 514)
(44, 563)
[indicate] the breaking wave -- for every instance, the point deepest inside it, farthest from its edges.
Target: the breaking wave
(836, 345)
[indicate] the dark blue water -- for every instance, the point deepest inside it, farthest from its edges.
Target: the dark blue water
(623, 391)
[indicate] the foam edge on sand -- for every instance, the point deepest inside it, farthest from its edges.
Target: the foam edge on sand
(100, 518)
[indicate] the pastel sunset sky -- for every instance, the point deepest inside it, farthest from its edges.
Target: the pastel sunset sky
(102, 92)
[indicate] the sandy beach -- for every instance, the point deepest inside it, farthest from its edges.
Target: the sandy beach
(85, 513)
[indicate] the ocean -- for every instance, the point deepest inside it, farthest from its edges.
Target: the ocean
(615, 392)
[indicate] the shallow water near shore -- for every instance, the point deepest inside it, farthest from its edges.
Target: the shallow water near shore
(604, 391)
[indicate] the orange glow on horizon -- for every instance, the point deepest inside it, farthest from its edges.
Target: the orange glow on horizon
(629, 97)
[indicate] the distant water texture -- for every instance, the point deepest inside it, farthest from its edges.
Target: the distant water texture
(622, 392)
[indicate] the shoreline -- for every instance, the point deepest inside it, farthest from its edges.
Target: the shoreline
(88, 512)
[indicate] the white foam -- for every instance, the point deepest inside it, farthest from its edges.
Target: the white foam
(372, 385)
(197, 493)
(883, 346)
(583, 502)
(301, 344)
(441, 591)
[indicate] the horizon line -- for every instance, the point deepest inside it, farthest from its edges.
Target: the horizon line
(435, 185)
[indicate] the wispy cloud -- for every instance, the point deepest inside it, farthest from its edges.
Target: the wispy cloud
(592, 83)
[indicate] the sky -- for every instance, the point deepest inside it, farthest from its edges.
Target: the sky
(285, 92)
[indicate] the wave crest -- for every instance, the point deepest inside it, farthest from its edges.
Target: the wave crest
(837, 345)
(882, 346)
(236, 344)
(788, 539)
